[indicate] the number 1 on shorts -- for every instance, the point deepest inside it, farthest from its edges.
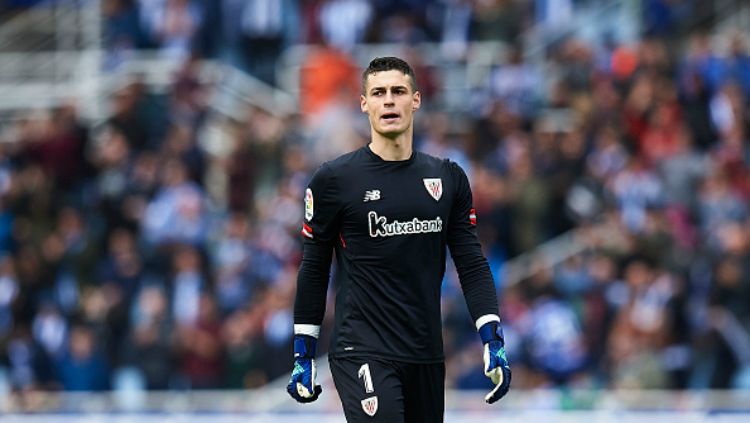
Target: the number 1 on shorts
(364, 372)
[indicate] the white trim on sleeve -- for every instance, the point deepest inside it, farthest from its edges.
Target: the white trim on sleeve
(486, 319)
(310, 330)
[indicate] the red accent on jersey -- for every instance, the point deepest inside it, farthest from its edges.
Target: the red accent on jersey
(343, 243)
(473, 216)
(307, 231)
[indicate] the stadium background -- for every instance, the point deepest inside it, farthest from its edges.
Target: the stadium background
(154, 155)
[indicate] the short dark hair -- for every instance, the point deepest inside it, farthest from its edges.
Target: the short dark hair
(382, 64)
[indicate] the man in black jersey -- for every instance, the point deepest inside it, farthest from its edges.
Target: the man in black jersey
(388, 212)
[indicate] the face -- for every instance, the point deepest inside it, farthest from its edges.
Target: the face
(390, 102)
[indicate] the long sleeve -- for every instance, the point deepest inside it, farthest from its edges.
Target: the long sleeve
(319, 230)
(473, 269)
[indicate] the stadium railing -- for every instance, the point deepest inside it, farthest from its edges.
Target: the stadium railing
(273, 400)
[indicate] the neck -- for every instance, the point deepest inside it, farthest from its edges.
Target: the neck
(392, 149)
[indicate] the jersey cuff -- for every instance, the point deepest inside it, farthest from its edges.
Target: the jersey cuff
(309, 330)
(481, 320)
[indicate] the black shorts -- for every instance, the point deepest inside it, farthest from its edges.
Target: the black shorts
(380, 390)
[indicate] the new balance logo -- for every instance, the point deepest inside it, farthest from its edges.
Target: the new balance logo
(372, 195)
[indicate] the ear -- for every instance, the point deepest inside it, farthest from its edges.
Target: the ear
(416, 101)
(363, 103)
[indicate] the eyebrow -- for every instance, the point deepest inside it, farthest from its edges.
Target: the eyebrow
(392, 87)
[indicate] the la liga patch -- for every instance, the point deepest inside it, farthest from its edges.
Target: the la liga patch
(309, 204)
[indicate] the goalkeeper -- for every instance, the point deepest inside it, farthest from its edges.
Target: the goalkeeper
(388, 212)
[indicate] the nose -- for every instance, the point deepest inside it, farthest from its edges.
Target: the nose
(389, 98)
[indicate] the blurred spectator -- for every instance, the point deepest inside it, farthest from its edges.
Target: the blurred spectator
(696, 105)
(438, 141)
(121, 266)
(188, 285)
(128, 115)
(171, 24)
(516, 84)
(150, 343)
(728, 315)
(530, 203)
(666, 17)
(82, 366)
(327, 76)
(643, 321)
(554, 15)
(122, 31)
(50, 330)
(178, 211)
(243, 341)
(636, 189)
(497, 20)
(199, 347)
(58, 146)
(344, 22)
(552, 333)
(456, 29)
(181, 143)
(29, 367)
(682, 170)
(660, 137)
(232, 255)
(736, 66)
(329, 80)
(9, 291)
(188, 97)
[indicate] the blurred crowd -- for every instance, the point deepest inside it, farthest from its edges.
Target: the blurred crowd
(133, 254)
(252, 34)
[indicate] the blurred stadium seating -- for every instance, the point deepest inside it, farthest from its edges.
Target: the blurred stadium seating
(153, 155)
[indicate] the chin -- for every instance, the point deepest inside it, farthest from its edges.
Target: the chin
(391, 133)
(393, 130)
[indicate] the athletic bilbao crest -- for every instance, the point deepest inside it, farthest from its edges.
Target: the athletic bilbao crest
(434, 187)
(370, 405)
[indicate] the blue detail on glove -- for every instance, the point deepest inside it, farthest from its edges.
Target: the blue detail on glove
(302, 385)
(304, 346)
(491, 331)
(495, 362)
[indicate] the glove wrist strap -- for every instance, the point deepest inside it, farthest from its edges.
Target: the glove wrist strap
(304, 346)
(491, 331)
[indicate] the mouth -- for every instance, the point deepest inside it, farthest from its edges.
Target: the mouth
(390, 117)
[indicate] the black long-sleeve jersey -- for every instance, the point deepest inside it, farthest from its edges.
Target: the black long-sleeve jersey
(389, 223)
